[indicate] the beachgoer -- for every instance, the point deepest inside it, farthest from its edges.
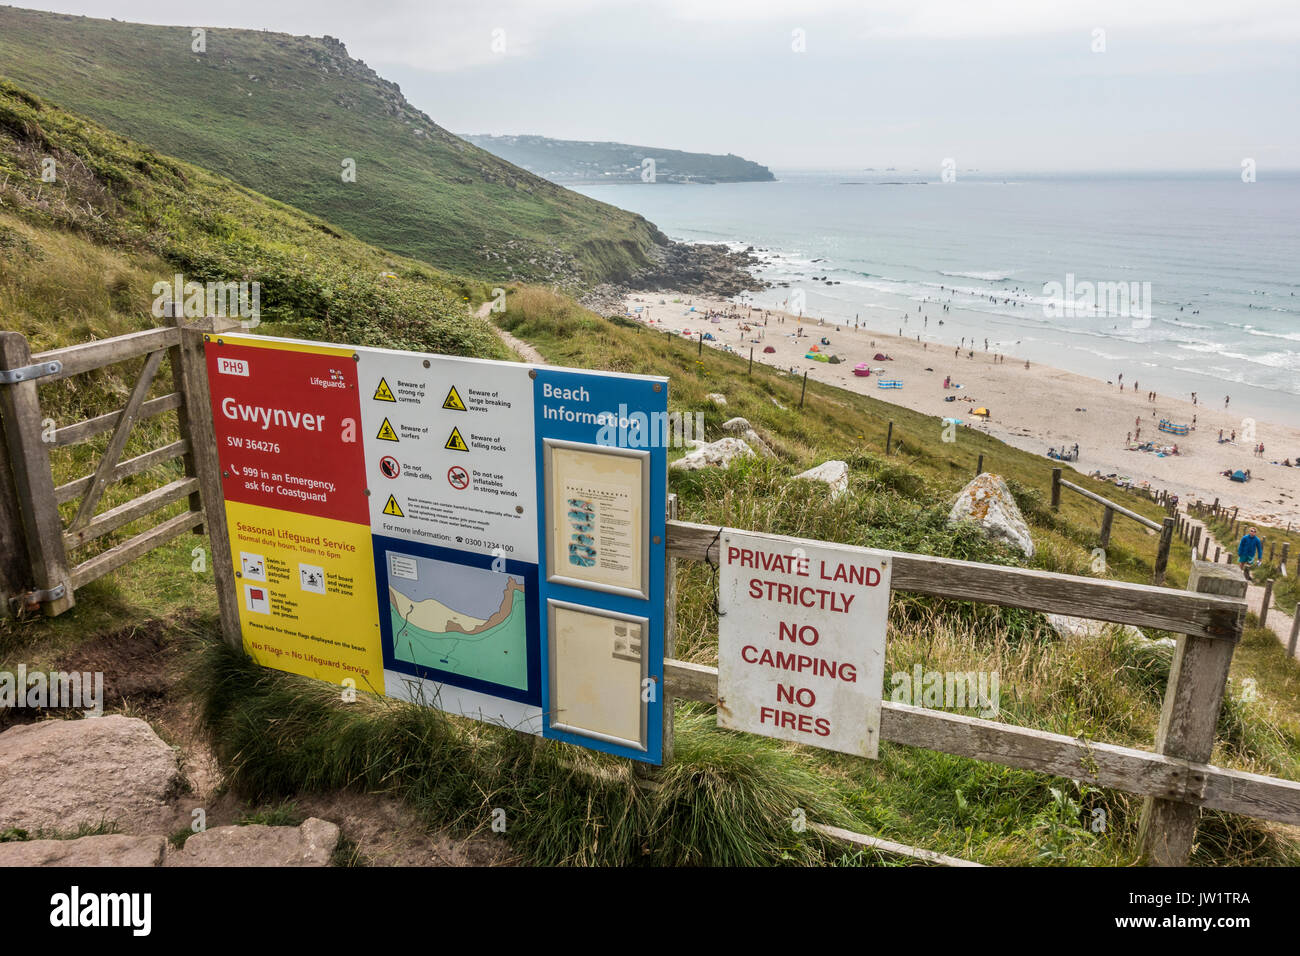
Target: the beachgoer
(1250, 550)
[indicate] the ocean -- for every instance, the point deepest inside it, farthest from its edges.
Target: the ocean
(1209, 267)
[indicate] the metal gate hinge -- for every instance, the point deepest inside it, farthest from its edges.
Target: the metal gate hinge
(28, 372)
(35, 598)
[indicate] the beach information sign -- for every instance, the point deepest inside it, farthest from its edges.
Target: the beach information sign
(801, 641)
(482, 537)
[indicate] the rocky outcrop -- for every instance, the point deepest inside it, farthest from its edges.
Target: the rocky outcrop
(988, 502)
(742, 429)
(62, 774)
(717, 398)
(833, 473)
(311, 844)
(718, 454)
(114, 849)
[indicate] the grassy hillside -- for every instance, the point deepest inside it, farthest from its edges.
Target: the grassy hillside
(79, 257)
(280, 114)
(580, 161)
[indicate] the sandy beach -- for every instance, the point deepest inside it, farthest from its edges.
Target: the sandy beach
(1033, 408)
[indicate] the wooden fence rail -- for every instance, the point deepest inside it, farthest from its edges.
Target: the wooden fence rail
(1176, 779)
(1111, 508)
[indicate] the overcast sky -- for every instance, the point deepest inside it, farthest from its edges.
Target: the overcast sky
(1010, 85)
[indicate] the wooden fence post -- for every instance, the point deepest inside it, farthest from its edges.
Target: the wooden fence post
(1193, 698)
(1107, 518)
(803, 388)
(15, 564)
(889, 439)
(183, 414)
(1216, 554)
(979, 466)
(670, 638)
(1056, 489)
(1268, 599)
(1162, 552)
(203, 442)
(33, 484)
(1295, 633)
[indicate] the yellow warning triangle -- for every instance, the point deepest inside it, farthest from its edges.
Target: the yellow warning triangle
(383, 393)
(386, 432)
(453, 401)
(393, 508)
(455, 442)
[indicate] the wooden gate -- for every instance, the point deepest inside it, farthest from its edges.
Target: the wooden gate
(39, 567)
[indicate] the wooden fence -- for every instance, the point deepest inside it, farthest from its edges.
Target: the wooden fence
(1175, 778)
(1111, 508)
(39, 569)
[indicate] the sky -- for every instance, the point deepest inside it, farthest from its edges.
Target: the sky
(1002, 85)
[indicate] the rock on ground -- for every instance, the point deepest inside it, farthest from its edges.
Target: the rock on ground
(1067, 626)
(741, 427)
(717, 398)
(834, 473)
(988, 502)
(114, 849)
(718, 454)
(60, 774)
(311, 844)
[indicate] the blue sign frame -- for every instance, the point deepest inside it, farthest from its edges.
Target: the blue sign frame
(605, 410)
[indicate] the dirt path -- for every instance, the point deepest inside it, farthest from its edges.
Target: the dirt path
(518, 346)
(1279, 622)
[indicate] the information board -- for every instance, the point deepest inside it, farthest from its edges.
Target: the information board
(801, 640)
(388, 520)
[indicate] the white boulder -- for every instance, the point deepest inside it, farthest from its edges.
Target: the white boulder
(718, 454)
(717, 398)
(741, 427)
(834, 473)
(987, 501)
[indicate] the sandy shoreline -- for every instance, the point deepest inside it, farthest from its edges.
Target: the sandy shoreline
(1033, 409)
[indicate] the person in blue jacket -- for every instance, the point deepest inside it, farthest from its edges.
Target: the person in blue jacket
(1250, 550)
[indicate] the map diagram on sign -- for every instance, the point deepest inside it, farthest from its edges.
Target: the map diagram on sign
(457, 619)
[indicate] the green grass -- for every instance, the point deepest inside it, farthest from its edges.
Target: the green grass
(728, 799)
(79, 258)
(279, 114)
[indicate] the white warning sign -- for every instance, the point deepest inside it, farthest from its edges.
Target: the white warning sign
(454, 449)
(801, 640)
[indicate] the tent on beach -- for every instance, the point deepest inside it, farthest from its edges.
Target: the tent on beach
(769, 350)
(982, 412)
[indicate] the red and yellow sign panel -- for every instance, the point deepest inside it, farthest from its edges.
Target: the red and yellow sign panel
(287, 422)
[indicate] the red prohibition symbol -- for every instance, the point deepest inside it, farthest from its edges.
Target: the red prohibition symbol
(458, 477)
(389, 466)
